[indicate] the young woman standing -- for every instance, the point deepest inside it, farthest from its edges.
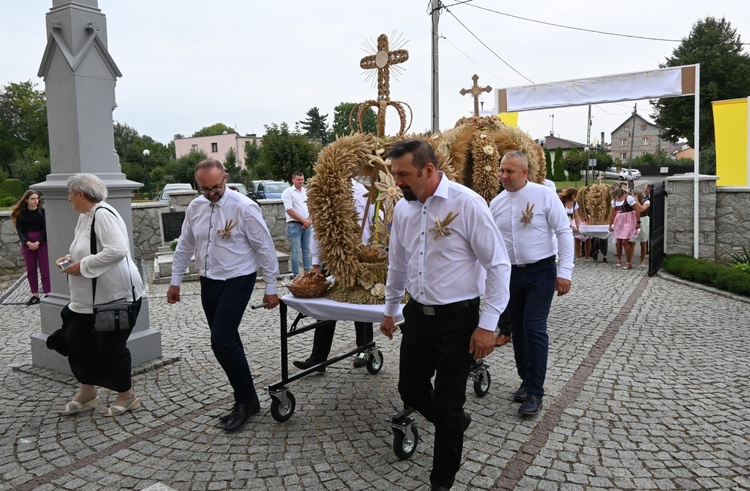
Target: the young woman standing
(28, 217)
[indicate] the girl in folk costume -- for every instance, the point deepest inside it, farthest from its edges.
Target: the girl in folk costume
(643, 225)
(623, 223)
(568, 197)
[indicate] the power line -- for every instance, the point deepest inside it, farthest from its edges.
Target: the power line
(488, 48)
(632, 36)
(472, 59)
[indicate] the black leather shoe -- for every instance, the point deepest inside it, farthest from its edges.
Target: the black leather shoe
(466, 421)
(531, 406)
(304, 365)
(33, 300)
(240, 413)
(438, 488)
(520, 395)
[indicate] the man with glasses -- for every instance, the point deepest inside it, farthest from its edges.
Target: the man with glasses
(229, 238)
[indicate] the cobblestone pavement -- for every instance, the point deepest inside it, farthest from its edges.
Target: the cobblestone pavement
(648, 388)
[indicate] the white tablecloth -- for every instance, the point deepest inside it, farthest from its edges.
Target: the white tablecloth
(325, 309)
(598, 231)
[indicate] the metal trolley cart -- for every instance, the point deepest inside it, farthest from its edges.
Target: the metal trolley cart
(283, 402)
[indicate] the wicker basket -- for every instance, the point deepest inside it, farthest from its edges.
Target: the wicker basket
(309, 290)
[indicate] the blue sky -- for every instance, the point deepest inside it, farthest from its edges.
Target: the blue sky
(188, 64)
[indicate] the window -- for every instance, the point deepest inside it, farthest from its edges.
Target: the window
(623, 141)
(214, 147)
(194, 147)
(623, 156)
(645, 140)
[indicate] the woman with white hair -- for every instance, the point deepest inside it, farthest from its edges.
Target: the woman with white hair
(98, 358)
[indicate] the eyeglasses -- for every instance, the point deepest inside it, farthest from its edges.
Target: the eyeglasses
(216, 189)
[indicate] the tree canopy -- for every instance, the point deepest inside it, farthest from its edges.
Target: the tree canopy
(344, 121)
(215, 129)
(315, 126)
(284, 152)
(724, 74)
(23, 126)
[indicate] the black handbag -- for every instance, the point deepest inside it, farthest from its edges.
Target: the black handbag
(118, 314)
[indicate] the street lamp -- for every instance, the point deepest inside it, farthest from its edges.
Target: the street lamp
(147, 154)
(586, 169)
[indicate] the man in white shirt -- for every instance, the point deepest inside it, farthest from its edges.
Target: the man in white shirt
(229, 238)
(298, 224)
(529, 216)
(442, 241)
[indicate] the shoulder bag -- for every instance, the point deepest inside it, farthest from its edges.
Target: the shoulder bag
(118, 314)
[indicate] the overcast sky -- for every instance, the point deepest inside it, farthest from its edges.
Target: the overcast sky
(191, 63)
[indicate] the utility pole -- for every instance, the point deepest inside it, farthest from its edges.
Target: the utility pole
(435, 14)
(632, 134)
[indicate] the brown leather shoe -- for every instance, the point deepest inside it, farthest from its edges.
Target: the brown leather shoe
(501, 340)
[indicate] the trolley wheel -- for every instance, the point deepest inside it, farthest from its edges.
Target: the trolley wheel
(405, 444)
(282, 412)
(482, 383)
(375, 362)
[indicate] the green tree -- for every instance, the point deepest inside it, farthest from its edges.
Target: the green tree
(230, 165)
(182, 169)
(548, 161)
(344, 122)
(252, 155)
(574, 163)
(23, 124)
(724, 74)
(216, 129)
(283, 152)
(315, 126)
(135, 164)
(707, 160)
(559, 172)
(603, 159)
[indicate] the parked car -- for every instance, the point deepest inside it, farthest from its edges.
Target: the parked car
(173, 186)
(624, 174)
(271, 189)
(611, 173)
(238, 186)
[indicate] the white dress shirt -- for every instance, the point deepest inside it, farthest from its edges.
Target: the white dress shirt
(112, 271)
(218, 255)
(532, 242)
(439, 270)
(295, 200)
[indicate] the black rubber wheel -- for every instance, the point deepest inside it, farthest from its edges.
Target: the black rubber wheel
(404, 445)
(375, 363)
(482, 383)
(282, 412)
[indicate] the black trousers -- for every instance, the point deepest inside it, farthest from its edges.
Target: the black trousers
(438, 345)
(97, 358)
(323, 338)
(224, 304)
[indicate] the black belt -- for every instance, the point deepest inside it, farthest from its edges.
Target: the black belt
(451, 308)
(294, 221)
(541, 262)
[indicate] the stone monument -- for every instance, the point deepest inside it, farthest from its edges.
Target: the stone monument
(80, 77)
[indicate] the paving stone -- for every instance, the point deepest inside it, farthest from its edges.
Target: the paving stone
(640, 419)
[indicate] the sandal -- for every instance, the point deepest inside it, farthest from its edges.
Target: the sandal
(628, 266)
(74, 407)
(113, 410)
(618, 265)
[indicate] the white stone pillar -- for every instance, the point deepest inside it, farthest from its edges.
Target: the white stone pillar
(80, 77)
